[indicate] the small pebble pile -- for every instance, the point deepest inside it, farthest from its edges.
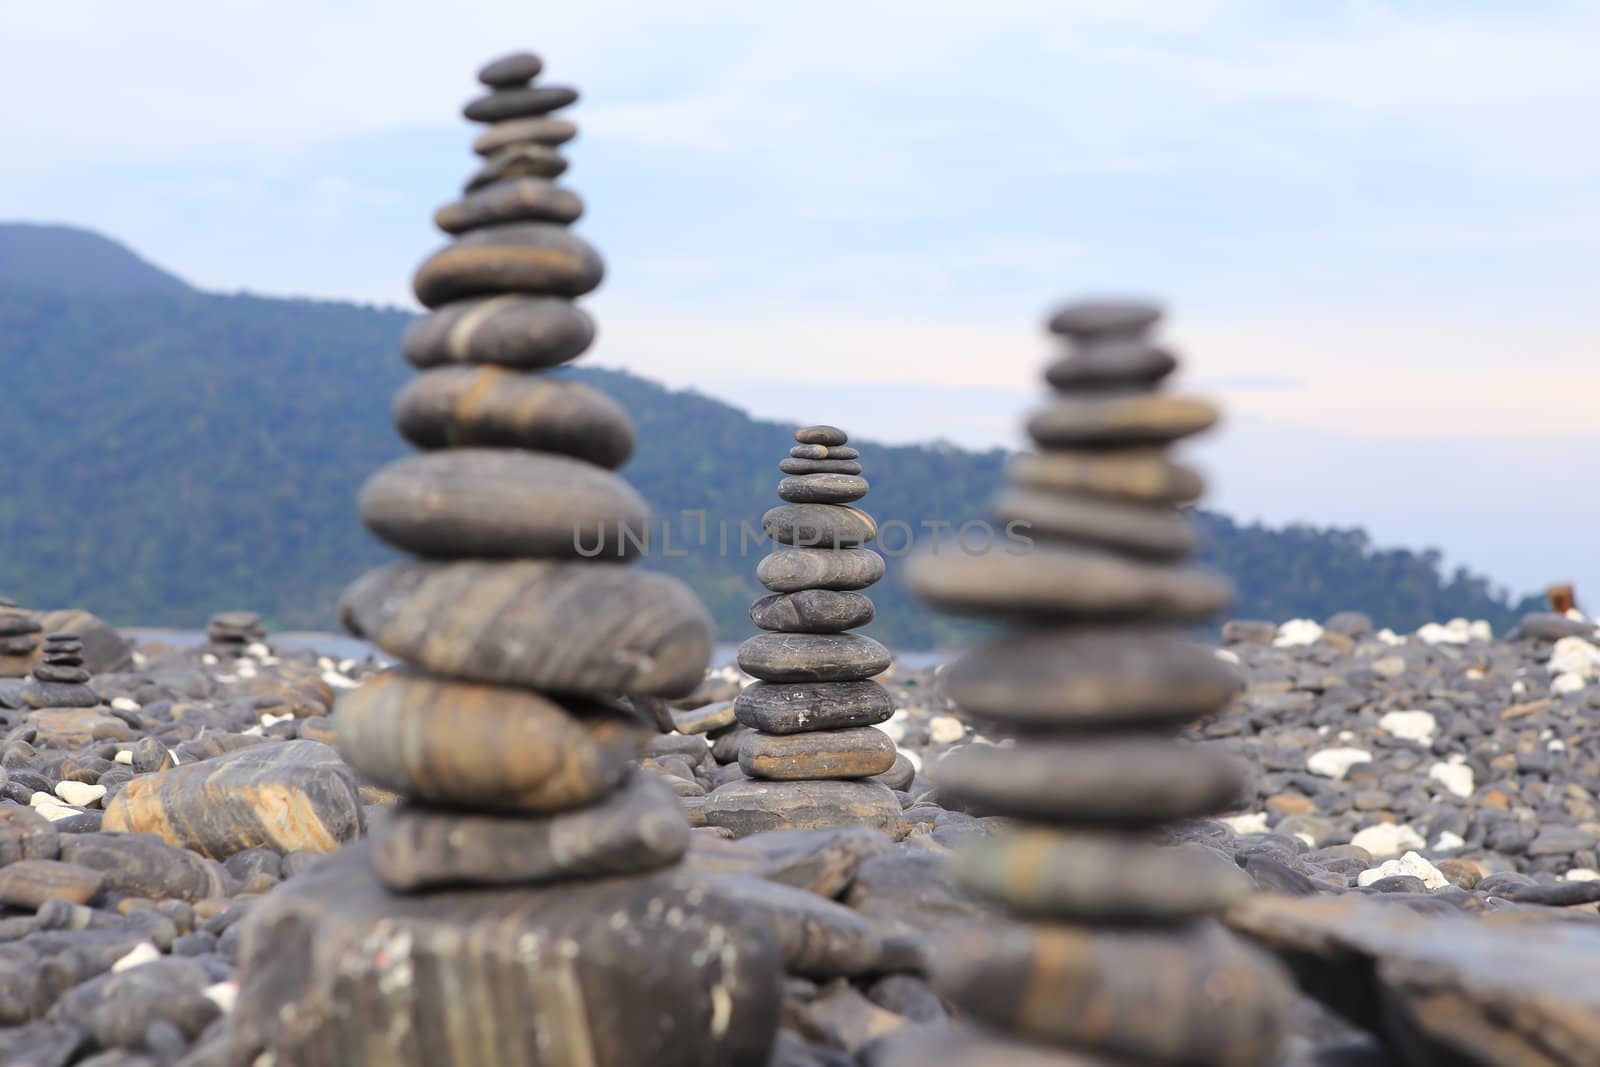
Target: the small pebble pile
(1111, 948)
(525, 831)
(19, 639)
(813, 749)
(60, 679)
(230, 632)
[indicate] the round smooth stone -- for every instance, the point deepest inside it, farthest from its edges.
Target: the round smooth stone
(812, 611)
(821, 435)
(1097, 877)
(853, 752)
(37, 693)
(812, 657)
(518, 161)
(822, 489)
(462, 407)
(1091, 679)
(1143, 475)
(1127, 781)
(809, 452)
(1094, 319)
(1196, 995)
(17, 623)
(504, 503)
(637, 828)
(796, 707)
(790, 465)
(523, 257)
(842, 452)
(811, 525)
(1056, 581)
(516, 200)
(1111, 364)
(900, 775)
(1137, 529)
(509, 71)
(519, 102)
(482, 746)
(789, 570)
(552, 625)
(54, 672)
(538, 130)
(752, 806)
(63, 659)
(1120, 421)
(523, 332)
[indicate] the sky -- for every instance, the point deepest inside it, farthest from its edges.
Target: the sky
(1374, 223)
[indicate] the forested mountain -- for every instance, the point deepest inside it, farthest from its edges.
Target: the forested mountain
(171, 452)
(75, 260)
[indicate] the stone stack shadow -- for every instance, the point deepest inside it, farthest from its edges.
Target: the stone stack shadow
(813, 750)
(523, 904)
(1110, 945)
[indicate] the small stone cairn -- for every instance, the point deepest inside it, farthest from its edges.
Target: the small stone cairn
(1111, 946)
(60, 680)
(813, 751)
(229, 633)
(524, 904)
(19, 639)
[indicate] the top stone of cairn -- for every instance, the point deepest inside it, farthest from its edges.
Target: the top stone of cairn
(511, 71)
(830, 436)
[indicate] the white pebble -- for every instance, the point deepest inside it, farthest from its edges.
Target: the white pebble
(54, 812)
(125, 756)
(209, 660)
(1227, 655)
(1336, 762)
(1570, 682)
(1386, 840)
(346, 666)
(945, 729)
(895, 726)
(1389, 637)
(1297, 632)
(1448, 841)
(1557, 745)
(81, 794)
(1481, 630)
(1457, 778)
(1432, 633)
(338, 681)
(1419, 726)
(1411, 863)
(1574, 655)
(1310, 841)
(257, 649)
(267, 718)
(1582, 874)
(125, 703)
(140, 661)
(143, 952)
(1255, 823)
(253, 731)
(1519, 687)
(223, 995)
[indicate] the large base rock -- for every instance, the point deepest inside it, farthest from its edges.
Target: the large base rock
(752, 806)
(335, 971)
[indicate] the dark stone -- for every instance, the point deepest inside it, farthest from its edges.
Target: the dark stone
(751, 806)
(812, 611)
(521, 257)
(493, 976)
(638, 828)
(143, 865)
(515, 103)
(1143, 475)
(1562, 894)
(823, 862)
(1091, 679)
(53, 672)
(504, 503)
(1125, 781)
(1120, 421)
(1273, 876)
(900, 775)
(852, 752)
(1096, 320)
(518, 161)
(777, 657)
(821, 434)
(521, 332)
(810, 525)
(288, 796)
(579, 627)
(484, 747)
(520, 199)
(1054, 581)
(26, 835)
(819, 939)
(539, 129)
(29, 883)
(1548, 626)
(790, 465)
(455, 407)
(1148, 997)
(1114, 364)
(795, 707)
(42, 694)
(511, 71)
(789, 570)
(822, 488)
(1138, 530)
(14, 623)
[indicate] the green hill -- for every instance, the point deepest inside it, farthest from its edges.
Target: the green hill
(172, 452)
(73, 260)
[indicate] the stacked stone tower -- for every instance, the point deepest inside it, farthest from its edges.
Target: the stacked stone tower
(814, 748)
(60, 680)
(19, 639)
(229, 633)
(1113, 948)
(523, 905)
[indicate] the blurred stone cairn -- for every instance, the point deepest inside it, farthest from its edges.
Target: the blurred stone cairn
(813, 751)
(524, 904)
(1109, 944)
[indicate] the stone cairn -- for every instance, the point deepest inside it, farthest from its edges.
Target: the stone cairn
(813, 749)
(524, 904)
(1112, 946)
(229, 633)
(60, 680)
(19, 639)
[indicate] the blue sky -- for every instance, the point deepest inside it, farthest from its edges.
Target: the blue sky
(1375, 222)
